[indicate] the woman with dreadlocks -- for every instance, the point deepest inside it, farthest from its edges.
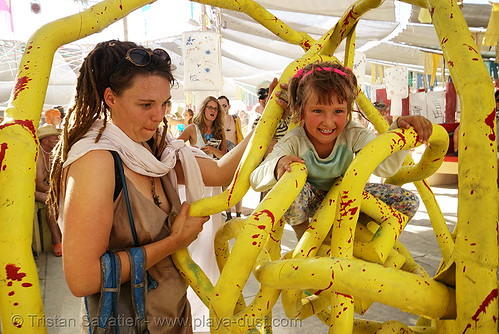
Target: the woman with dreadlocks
(114, 189)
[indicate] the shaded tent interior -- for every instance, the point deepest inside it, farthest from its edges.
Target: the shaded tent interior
(389, 35)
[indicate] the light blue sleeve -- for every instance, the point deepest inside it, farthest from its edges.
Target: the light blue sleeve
(263, 177)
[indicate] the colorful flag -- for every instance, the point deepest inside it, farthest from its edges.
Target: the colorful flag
(6, 14)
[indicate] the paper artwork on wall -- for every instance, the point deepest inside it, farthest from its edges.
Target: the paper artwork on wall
(396, 79)
(202, 69)
(430, 105)
(359, 68)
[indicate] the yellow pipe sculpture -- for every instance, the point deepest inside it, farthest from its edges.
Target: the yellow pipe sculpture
(21, 305)
(341, 264)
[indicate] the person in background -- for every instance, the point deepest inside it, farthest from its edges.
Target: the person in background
(234, 136)
(120, 102)
(168, 111)
(207, 130)
(243, 117)
(321, 96)
(181, 123)
(263, 94)
(53, 117)
(48, 135)
(384, 111)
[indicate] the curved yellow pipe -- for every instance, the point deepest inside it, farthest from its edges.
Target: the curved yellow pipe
(20, 298)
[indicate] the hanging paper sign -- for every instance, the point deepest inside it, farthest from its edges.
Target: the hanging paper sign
(202, 68)
(417, 104)
(359, 68)
(435, 106)
(430, 105)
(396, 82)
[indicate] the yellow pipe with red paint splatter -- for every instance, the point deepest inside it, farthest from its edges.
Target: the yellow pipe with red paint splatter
(476, 252)
(20, 299)
(355, 277)
(249, 244)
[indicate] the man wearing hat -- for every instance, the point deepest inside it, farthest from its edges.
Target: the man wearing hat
(48, 135)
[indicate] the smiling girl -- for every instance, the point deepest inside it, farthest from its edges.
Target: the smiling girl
(321, 98)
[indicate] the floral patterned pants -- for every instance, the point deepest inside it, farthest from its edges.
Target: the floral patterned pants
(309, 199)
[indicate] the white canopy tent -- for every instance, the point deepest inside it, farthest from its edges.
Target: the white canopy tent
(388, 35)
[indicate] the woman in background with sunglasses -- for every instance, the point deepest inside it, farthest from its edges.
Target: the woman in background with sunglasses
(121, 94)
(207, 131)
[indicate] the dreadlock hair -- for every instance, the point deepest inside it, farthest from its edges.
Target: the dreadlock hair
(218, 124)
(328, 80)
(103, 67)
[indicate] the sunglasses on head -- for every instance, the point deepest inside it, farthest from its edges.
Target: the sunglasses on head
(142, 57)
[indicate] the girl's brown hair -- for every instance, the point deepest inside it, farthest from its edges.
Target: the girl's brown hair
(218, 124)
(105, 66)
(328, 80)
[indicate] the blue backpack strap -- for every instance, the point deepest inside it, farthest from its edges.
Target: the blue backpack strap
(110, 290)
(138, 285)
(152, 284)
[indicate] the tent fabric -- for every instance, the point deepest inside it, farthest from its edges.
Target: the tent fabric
(389, 35)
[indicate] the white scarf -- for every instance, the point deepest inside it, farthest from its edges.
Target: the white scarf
(140, 160)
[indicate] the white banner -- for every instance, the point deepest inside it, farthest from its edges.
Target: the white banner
(202, 68)
(396, 79)
(430, 105)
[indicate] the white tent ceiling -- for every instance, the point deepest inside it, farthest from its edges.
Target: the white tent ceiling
(389, 35)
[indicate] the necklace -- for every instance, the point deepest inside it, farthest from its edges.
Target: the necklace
(155, 196)
(46, 159)
(208, 136)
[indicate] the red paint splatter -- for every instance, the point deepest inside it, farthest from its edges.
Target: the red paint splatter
(471, 48)
(311, 249)
(492, 295)
(402, 138)
(489, 121)
(261, 227)
(320, 291)
(16, 304)
(231, 190)
(3, 149)
(13, 273)
(451, 63)
(444, 40)
(27, 124)
(255, 236)
(20, 86)
(254, 243)
(11, 293)
(9, 284)
(26, 285)
(269, 214)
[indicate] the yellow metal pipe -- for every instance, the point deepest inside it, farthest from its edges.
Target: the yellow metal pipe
(476, 251)
(346, 23)
(250, 243)
(266, 19)
(371, 281)
(20, 298)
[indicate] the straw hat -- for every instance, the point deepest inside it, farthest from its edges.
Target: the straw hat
(47, 130)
